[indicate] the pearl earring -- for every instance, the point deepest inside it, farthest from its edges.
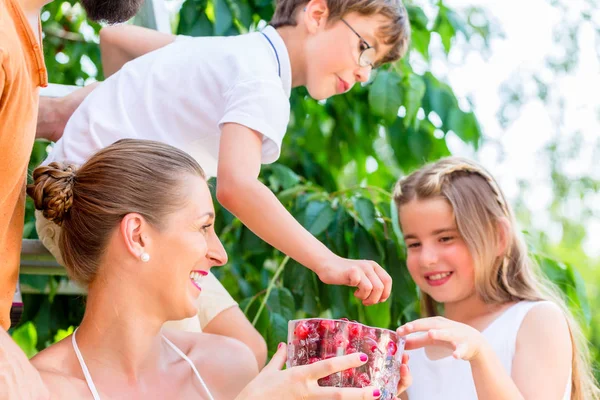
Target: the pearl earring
(145, 257)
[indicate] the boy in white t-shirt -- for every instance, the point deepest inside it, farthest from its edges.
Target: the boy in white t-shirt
(225, 101)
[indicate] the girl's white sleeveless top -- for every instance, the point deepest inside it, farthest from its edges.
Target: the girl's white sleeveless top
(450, 379)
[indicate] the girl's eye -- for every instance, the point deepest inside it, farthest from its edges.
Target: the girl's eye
(414, 245)
(363, 46)
(446, 239)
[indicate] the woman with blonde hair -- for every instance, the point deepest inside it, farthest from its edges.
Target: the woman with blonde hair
(505, 332)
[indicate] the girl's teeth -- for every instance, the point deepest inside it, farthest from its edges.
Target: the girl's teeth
(439, 276)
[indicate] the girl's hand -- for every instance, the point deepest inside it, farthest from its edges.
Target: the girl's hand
(301, 382)
(405, 376)
(466, 341)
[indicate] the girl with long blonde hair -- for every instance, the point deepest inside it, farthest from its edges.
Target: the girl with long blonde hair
(493, 327)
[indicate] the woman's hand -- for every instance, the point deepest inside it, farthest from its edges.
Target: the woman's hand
(466, 341)
(301, 382)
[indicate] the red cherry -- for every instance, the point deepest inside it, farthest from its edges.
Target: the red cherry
(340, 341)
(392, 348)
(362, 380)
(325, 381)
(348, 376)
(351, 349)
(354, 330)
(326, 326)
(302, 330)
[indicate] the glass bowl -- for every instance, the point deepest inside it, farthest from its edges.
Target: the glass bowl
(314, 339)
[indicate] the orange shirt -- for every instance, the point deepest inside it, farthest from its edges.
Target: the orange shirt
(22, 72)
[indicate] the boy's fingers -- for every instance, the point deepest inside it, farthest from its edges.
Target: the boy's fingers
(324, 368)
(278, 360)
(386, 279)
(364, 288)
(377, 285)
(334, 393)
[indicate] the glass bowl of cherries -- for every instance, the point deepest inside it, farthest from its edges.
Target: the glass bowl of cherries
(314, 339)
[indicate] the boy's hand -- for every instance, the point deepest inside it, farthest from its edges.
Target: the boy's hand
(373, 283)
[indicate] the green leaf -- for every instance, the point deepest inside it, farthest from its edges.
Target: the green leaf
(412, 95)
(223, 17)
(385, 95)
(202, 27)
(366, 211)
(396, 220)
(37, 282)
(302, 283)
(417, 17)
(319, 215)
(439, 98)
(367, 249)
(62, 333)
(465, 126)
(26, 337)
(420, 40)
(285, 176)
(277, 332)
(378, 315)
(281, 302)
(444, 28)
(404, 290)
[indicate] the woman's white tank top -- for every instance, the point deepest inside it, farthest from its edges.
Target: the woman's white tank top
(446, 378)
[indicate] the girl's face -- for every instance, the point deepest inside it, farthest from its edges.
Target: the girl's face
(438, 258)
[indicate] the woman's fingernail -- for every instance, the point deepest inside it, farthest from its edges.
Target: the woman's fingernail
(363, 357)
(279, 346)
(376, 393)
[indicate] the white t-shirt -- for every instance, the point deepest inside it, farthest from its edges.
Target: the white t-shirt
(182, 93)
(439, 376)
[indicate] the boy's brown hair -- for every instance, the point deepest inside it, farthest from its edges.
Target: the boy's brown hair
(395, 33)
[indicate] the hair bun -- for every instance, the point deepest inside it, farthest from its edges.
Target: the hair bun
(52, 190)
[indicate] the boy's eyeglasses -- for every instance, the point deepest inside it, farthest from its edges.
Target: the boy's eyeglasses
(367, 54)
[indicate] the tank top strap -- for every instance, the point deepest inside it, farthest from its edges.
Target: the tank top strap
(84, 368)
(186, 358)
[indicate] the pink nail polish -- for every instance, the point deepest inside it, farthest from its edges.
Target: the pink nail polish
(279, 346)
(376, 393)
(363, 357)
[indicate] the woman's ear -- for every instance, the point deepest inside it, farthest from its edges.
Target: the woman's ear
(133, 229)
(504, 236)
(314, 14)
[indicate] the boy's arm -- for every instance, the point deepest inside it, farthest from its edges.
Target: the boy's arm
(18, 378)
(122, 43)
(233, 323)
(240, 191)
